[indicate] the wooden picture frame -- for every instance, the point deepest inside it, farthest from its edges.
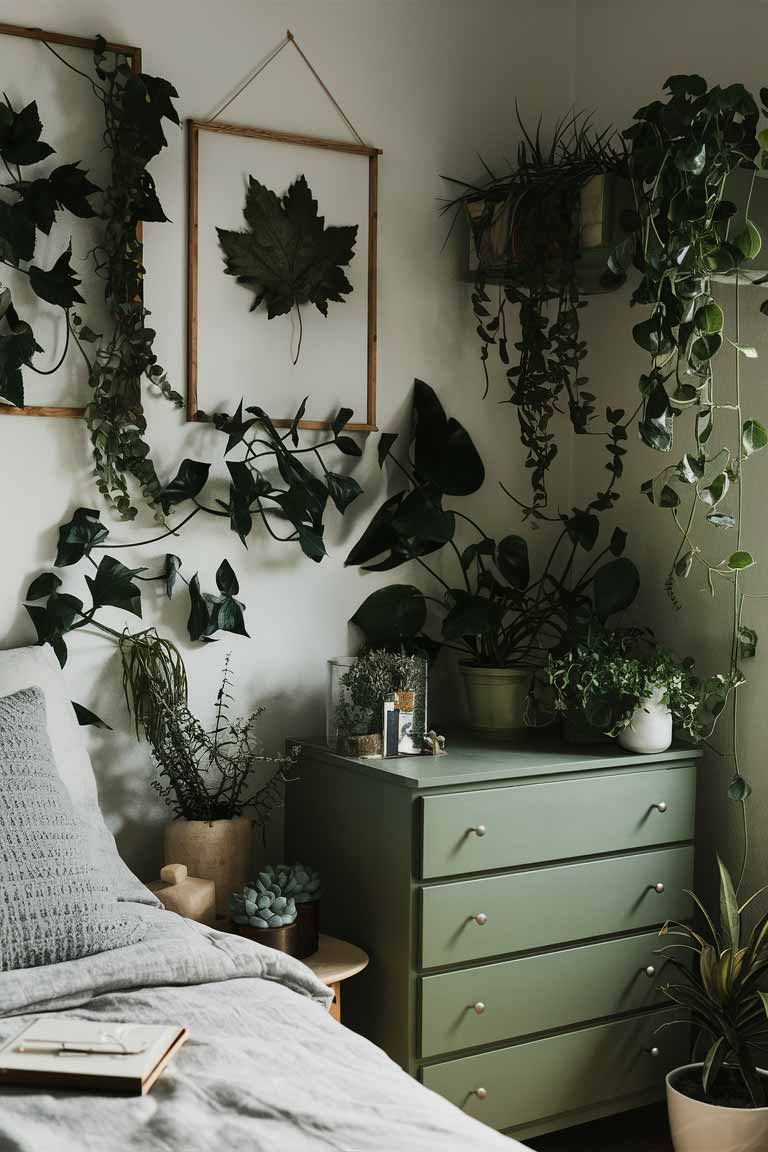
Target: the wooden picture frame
(194, 130)
(133, 54)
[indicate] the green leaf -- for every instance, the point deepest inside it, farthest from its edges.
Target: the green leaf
(391, 615)
(113, 585)
(171, 572)
(67, 187)
(226, 581)
(17, 233)
(753, 436)
(380, 536)
(20, 141)
(747, 350)
(86, 717)
(739, 789)
(739, 560)
(618, 541)
(343, 490)
(188, 482)
(615, 586)
(704, 425)
(348, 446)
(227, 615)
(709, 319)
(747, 641)
(444, 453)
(721, 519)
(311, 542)
(234, 426)
(199, 614)
(714, 492)
(340, 420)
(513, 563)
(729, 909)
(43, 585)
(293, 431)
(59, 284)
(286, 255)
(386, 440)
(79, 536)
(583, 528)
(656, 426)
(749, 241)
(691, 158)
(690, 469)
(469, 615)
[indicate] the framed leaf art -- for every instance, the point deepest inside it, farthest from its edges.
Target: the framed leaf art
(53, 167)
(281, 272)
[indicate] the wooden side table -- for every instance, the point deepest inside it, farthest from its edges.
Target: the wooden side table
(334, 961)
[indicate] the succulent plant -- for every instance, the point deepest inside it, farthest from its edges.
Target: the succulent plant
(262, 904)
(299, 881)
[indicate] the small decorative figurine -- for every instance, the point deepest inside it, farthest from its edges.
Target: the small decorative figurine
(432, 744)
(187, 895)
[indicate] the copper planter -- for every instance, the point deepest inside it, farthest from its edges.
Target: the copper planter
(284, 939)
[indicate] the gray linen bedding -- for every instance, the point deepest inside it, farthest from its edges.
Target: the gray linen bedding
(266, 1069)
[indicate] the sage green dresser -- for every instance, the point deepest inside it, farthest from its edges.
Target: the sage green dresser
(510, 900)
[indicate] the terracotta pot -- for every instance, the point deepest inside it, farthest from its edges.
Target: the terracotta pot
(496, 699)
(650, 728)
(218, 850)
(308, 924)
(700, 1127)
(285, 939)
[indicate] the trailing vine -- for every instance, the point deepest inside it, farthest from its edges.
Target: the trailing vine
(526, 230)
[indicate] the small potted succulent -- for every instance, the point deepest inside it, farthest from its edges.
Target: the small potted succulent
(722, 1101)
(263, 912)
(301, 884)
(622, 683)
(363, 686)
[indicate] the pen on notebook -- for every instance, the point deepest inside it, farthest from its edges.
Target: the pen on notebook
(55, 1047)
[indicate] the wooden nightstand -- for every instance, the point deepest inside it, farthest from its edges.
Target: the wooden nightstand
(334, 961)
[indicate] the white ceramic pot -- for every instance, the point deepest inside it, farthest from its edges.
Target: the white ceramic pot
(650, 729)
(496, 699)
(700, 1127)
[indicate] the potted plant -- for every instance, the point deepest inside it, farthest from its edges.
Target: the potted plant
(499, 617)
(263, 911)
(300, 884)
(622, 683)
(204, 775)
(374, 675)
(722, 1101)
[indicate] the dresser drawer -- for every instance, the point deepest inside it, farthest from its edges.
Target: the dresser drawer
(543, 1078)
(485, 829)
(495, 1002)
(471, 919)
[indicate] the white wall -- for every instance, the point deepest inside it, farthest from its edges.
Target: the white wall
(432, 82)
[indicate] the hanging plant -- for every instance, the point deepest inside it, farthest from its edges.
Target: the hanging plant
(30, 205)
(686, 154)
(526, 230)
(286, 255)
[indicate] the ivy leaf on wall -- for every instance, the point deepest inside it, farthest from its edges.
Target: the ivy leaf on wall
(17, 346)
(20, 141)
(78, 536)
(113, 585)
(67, 187)
(287, 255)
(17, 233)
(57, 285)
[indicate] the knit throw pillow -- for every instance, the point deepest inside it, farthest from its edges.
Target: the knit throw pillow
(54, 905)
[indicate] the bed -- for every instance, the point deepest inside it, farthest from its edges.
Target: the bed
(266, 1068)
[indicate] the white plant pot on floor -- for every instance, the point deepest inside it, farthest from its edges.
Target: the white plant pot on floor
(700, 1127)
(650, 729)
(496, 699)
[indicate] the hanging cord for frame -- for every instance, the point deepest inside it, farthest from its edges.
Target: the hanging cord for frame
(289, 38)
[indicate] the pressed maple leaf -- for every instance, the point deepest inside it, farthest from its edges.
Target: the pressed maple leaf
(286, 255)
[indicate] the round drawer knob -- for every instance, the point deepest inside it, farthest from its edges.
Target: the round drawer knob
(655, 1052)
(661, 806)
(481, 1093)
(480, 918)
(650, 971)
(658, 887)
(479, 830)
(478, 1008)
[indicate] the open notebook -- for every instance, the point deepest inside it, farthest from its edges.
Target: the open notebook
(59, 1052)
